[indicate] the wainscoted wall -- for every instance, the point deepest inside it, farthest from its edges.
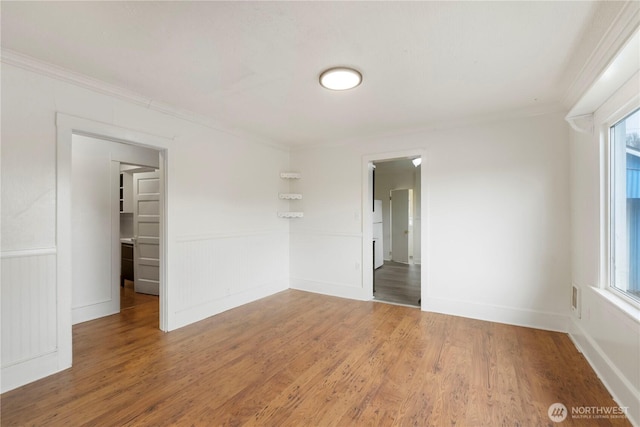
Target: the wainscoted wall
(219, 272)
(495, 219)
(29, 317)
(221, 187)
(328, 263)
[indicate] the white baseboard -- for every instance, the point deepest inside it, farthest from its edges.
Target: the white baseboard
(500, 314)
(92, 312)
(622, 391)
(27, 371)
(194, 314)
(332, 289)
(147, 287)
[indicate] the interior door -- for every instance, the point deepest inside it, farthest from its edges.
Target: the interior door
(146, 231)
(400, 226)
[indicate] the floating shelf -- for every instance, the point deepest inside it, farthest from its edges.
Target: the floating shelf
(290, 196)
(290, 175)
(290, 214)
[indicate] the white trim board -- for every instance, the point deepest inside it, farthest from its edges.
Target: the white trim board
(341, 290)
(627, 21)
(66, 126)
(500, 314)
(367, 218)
(59, 73)
(211, 308)
(230, 235)
(622, 391)
(28, 252)
(19, 374)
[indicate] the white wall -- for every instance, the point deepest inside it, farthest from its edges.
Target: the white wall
(331, 230)
(496, 206)
(607, 330)
(225, 244)
(92, 211)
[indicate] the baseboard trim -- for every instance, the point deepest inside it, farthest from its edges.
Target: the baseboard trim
(499, 314)
(93, 311)
(191, 315)
(25, 372)
(328, 288)
(622, 391)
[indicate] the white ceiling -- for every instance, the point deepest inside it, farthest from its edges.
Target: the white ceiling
(254, 66)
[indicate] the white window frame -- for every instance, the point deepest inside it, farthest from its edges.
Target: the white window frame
(607, 278)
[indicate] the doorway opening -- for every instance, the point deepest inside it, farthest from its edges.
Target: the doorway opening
(116, 214)
(139, 193)
(67, 127)
(396, 230)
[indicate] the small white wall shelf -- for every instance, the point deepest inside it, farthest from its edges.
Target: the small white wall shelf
(290, 196)
(290, 214)
(289, 175)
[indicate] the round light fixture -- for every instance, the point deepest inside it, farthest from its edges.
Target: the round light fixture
(340, 78)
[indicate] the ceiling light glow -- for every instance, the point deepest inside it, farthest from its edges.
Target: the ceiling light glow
(417, 162)
(340, 78)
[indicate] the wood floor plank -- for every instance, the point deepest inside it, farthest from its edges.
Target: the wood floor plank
(385, 389)
(299, 402)
(297, 359)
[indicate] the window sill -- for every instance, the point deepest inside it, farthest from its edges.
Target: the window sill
(625, 307)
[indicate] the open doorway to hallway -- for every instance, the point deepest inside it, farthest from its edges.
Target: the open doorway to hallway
(116, 212)
(139, 197)
(396, 231)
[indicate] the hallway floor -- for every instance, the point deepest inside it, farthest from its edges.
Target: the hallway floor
(130, 298)
(398, 283)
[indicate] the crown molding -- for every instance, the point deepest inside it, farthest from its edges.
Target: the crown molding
(583, 123)
(43, 68)
(28, 63)
(621, 29)
(443, 125)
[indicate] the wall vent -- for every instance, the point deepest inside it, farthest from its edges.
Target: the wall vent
(575, 301)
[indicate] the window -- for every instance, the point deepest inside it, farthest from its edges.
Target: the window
(624, 205)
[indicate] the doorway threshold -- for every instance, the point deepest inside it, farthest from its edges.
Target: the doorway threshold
(395, 303)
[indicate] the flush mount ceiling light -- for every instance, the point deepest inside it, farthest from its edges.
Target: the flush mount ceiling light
(340, 78)
(417, 162)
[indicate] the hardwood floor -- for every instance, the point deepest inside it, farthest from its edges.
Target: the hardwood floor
(130, 298)
(298, 359)
(398, 283)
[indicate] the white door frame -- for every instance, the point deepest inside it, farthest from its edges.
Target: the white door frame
(66, 126)
(367, 218)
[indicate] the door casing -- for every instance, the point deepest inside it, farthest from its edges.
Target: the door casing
(367, 217)
(67, 126)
